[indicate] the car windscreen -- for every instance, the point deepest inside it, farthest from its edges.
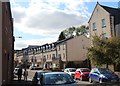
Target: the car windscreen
(105, 71)
(72, 70)
(57, 79)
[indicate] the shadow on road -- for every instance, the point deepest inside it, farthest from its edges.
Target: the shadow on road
(29, 83)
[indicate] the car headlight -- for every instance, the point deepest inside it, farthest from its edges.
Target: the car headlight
(104, 77)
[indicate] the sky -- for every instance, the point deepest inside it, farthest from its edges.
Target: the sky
(40, 21)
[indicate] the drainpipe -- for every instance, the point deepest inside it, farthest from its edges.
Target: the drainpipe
(66, 54)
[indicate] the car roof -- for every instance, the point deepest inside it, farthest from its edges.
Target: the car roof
(99, 68)
(42, 71)
(55, 73)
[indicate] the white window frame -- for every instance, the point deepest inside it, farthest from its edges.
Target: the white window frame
(94, 26)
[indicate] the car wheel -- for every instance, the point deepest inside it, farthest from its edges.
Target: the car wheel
(90, 80)
(100, 81)
(81, 78)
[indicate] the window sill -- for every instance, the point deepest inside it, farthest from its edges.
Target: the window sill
(103, 26)
(94, 29)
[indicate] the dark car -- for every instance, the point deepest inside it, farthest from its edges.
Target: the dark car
(102, 75)
(82, 74)
(57, 79)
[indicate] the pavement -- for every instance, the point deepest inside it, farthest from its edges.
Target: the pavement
(19, 83)
(15, 82)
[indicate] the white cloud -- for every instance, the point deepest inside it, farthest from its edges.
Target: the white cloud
(48, 17)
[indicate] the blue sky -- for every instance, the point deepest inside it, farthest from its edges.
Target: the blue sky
(41, 21)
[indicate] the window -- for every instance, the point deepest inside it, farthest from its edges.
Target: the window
(47, 57)
(94, 26)
(63, 46)
(103, 23)
(59, 55)
(63, 55)
(50, 56)
(59, 47)
(53, 56)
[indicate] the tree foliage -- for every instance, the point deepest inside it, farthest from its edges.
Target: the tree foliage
(73, 31)
(61, 36)
(105, 51)
(81, 30)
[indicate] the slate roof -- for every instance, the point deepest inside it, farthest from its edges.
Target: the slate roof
(111, 10)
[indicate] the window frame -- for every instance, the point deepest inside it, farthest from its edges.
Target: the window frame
(103, 23)
(94, 26)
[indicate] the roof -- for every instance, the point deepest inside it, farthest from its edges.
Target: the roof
(61, 41)
(111, 10)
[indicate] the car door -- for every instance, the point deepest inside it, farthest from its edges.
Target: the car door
(78, 73)
(96, 75)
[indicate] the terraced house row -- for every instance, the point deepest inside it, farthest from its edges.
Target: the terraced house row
(70, 52)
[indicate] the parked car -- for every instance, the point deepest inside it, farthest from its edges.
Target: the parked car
(70, 71)
(82, 74)
(102, 75)
(56, 79)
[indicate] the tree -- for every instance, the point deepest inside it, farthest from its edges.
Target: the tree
(61, 36)
(96, 52)
(81, 30)
(105, 51)
(73, 31)
(114, 49)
